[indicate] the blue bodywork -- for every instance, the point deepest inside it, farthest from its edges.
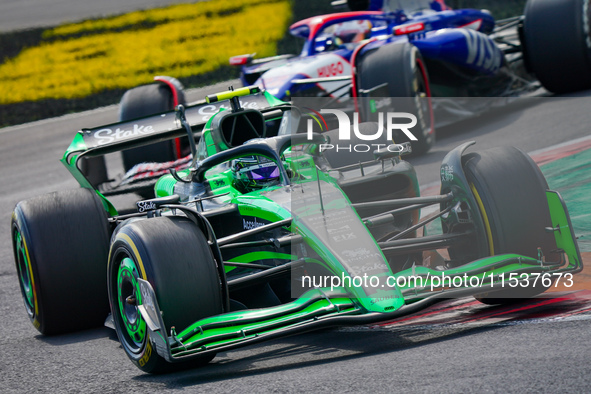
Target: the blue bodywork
(447, 39)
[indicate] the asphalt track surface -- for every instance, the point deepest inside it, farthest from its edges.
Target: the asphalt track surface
(24, 14)
(541, 345)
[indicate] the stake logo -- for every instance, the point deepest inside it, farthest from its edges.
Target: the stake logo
(145, 206)
(387, 122)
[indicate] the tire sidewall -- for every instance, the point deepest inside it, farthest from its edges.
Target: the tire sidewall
(19, 223)
(66, 239)
(514, 211)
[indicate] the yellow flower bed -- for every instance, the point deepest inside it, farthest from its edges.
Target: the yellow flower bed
(80, 59)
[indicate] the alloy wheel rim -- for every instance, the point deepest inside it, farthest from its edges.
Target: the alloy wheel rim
(128, 299)
(24, 272)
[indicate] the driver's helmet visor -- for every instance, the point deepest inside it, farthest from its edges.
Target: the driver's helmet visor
(260, 171)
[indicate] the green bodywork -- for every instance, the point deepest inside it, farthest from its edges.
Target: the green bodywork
(416, 284)
(70, 160)
(231, 329)
(324, 305)
(492, 273)
(78, 149)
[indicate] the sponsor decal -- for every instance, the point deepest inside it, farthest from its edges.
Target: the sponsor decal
(381, 299)
(107, 136)
(207, 111)
(447, 173)
(304, 164)
(146, 357)
(409, 28)
(196, 115)
(144, 206)
(344, 237)
(330, 70)
(356, 253)
(482, 52)
(376, 267)
(252, 223)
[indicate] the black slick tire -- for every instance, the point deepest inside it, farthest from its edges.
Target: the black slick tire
(144, 101)
(60, 243)
(557, 37)
(511, 192)
(173, 255)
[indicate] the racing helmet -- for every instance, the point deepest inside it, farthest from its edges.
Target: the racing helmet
(253, 173)
(351, 32)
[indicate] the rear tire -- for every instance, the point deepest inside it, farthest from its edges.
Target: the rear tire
(512, 194)
(144, 101)
(401, 66)
(173, 255)
(60, 242)
(558, 43)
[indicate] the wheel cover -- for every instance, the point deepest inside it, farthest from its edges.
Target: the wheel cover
(25, 273)
(134, 333)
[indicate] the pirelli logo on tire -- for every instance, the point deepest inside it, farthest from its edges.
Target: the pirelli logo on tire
(147, 354)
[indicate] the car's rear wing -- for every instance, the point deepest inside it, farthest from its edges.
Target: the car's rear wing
(115, 137)
(163, 126)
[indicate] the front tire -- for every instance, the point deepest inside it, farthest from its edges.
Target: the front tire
(511, 193)
(173, 255)
(558, 43)
(60, 242)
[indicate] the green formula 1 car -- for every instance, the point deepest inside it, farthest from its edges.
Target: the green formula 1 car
(262, 233)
